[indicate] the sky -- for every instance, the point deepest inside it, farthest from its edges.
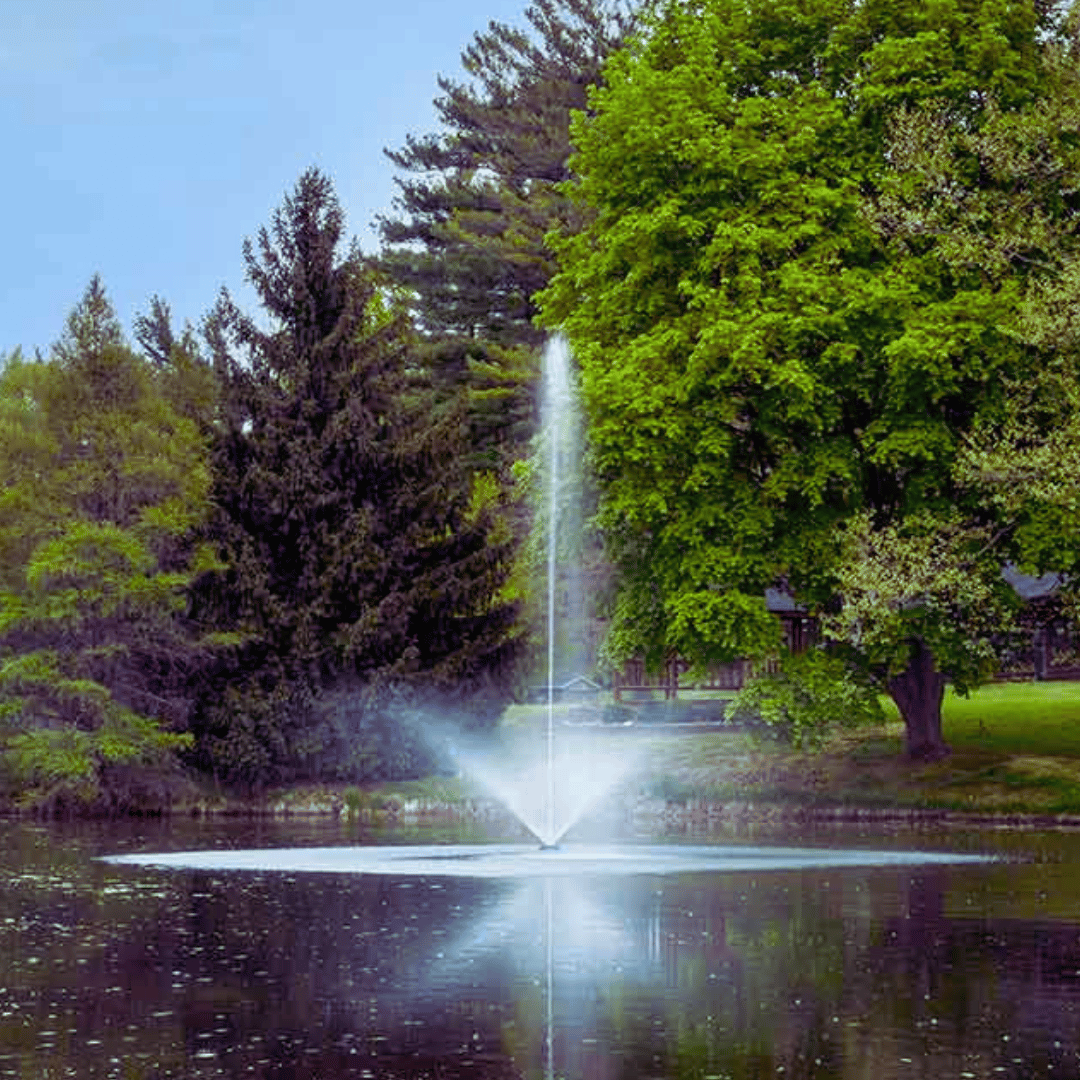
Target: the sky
(144, 140)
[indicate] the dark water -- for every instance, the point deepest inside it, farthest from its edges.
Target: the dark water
(905, 972)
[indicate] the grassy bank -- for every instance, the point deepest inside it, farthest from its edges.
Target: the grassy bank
(1016, 750)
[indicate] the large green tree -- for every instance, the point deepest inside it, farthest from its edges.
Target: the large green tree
(364, 565)
(786, 373)
(105, 486)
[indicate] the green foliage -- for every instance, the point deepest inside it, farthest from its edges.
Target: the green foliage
(934, 577)
(105, 484)
(357, 551)
(466, 242)
(470, 239)
(802, 300)
(128, 763)
(813, 695)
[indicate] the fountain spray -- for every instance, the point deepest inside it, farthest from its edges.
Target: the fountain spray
(556, 411)
(552, 789)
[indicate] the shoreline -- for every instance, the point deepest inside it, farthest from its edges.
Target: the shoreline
(1009, 776)
(638, 813)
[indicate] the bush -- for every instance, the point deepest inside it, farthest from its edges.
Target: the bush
(812, 695)
(128, 765)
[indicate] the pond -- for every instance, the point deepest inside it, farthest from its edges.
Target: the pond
(893, 970)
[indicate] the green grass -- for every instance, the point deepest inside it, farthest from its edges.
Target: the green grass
(1016, 749)
(431, 789)
(1028, 718)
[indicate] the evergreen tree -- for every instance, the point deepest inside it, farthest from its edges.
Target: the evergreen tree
(104, 486)
(468, 240)
(362, 568)
(186, 378)
(92, 328)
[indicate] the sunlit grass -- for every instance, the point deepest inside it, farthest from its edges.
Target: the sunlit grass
(1016, 749)
(1014, 718)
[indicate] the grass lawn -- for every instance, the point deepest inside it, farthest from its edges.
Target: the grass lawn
(1017, 718)
(1016, 749)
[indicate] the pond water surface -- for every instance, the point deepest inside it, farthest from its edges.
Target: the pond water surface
(885, 971)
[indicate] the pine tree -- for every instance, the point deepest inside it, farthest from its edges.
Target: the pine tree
(91, 328)
(361, 567)
(468, 240)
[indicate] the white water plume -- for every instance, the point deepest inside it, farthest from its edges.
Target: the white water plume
(550, 796)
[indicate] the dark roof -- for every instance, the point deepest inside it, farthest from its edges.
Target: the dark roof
(779, 600)
(1032, 588)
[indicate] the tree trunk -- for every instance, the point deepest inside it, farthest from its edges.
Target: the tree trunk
(918, 692)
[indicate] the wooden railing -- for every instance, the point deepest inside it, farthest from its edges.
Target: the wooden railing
(634, 680)
(800, 632)
(1047, 652)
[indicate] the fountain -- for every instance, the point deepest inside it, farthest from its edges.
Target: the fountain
(548, 796)
(524, 861)
(545, 808)
(561, 426)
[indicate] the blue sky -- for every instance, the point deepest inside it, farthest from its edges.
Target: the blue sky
(144, 139)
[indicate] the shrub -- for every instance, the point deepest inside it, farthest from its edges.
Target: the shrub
(812, 695)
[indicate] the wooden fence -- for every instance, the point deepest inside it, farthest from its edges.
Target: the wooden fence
(634, 681)
(1047, 652)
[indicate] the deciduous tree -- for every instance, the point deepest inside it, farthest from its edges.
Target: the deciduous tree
(791, 336)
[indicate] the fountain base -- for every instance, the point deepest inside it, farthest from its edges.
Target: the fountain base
(524, 861)
(549, 847)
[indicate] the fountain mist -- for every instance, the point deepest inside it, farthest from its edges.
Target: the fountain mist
(551, 790)
(550, 795)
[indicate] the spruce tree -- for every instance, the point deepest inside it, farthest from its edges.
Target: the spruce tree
(362, 568)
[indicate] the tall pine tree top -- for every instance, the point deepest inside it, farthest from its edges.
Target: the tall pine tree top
(469, 238)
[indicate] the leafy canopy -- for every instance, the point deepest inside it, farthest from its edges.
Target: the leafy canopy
(789, 330)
